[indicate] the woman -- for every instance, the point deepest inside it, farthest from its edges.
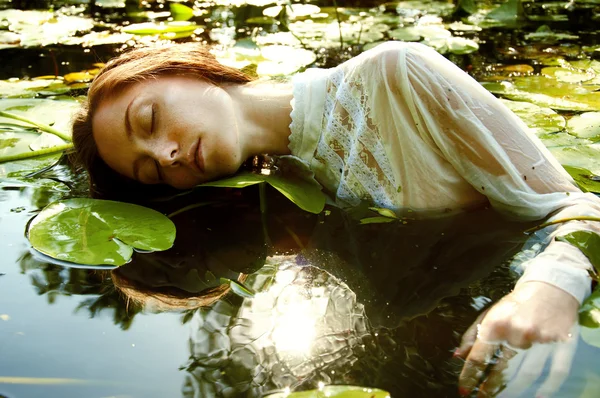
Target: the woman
(398, 126)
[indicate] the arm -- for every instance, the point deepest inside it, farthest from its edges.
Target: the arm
(491, 148)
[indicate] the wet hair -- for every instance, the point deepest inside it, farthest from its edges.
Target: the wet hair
(166, 299)
(138, 65)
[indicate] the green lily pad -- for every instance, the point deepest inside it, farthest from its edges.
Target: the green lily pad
(539, 119)
(335, 392)
(563, 139)
(296, 182)
(405, 34)
(568, 75)
(460, 45)
(545, 33)
(292, 11)
(584, 179)
(582, 156)
(96, 232)
(15, 88)
(161, 28)
(589, 314)
(57, 113)
(548, 92)
(585, 125)
(181, 12)
(586, 241)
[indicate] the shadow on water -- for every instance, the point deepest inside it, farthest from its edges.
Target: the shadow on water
(380, 305)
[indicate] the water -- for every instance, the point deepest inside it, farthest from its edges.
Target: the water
(376, 305)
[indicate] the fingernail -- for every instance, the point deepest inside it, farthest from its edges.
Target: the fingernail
(457, 353)
(463, 391)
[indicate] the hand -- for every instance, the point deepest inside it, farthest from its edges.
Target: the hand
(535, 312)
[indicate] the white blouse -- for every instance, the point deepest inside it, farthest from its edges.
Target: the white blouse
(402, 127)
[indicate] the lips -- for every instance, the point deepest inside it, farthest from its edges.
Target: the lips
(198, 158)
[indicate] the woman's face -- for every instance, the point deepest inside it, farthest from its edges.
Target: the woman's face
(174, 130)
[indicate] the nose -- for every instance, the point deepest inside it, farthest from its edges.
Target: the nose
(168, 156)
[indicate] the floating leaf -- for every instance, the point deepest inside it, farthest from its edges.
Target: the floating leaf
(335, 392)
(540, 120)
(585, 125)
(460, 45)
(377, 220)
(586, 241)
(548, 92)
(292, 11)
(296, 182)
(584, 179)
(589, 315)
(161, 28)
(384, 212)
(94, 232)
(181, 12)
(545, 33)
(567, 75)
(582, 156)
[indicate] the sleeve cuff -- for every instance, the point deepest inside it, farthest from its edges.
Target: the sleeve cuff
(575, 281)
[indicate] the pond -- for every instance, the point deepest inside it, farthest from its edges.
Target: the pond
(344, 301)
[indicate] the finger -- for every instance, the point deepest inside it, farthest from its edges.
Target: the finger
(530, 370)
(496, 376)
(561, 366)
(469, 337)
(479, 358)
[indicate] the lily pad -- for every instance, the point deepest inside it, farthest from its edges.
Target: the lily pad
(589, 244)
(161, 28)
(335, 392)
(95, 232)
(582, 156)
(548, 92)
(589, 315)
(539, 119)
(15, 88)
(56, 113)
(295, 181)
(584, 178)
(585, 125)
(292, 11)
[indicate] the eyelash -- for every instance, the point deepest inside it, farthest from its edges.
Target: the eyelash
(152, 122)
(152, 118)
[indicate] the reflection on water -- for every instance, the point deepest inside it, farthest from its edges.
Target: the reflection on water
(374, 305)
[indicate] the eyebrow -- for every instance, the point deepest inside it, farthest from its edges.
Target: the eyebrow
(128, 134)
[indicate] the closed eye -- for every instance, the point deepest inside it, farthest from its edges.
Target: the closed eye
(152, 118)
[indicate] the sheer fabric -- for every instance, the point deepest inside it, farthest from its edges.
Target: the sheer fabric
(402, 127)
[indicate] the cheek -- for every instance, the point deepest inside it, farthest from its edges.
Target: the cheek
(181, 179)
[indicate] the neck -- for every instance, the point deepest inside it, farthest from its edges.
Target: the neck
(263, 117)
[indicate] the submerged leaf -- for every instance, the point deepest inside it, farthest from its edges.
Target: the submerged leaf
(94, 232)
(238, 288)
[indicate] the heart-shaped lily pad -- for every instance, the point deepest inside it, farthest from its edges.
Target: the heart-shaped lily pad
(94, 232)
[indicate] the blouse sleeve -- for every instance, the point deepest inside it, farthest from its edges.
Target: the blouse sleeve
(493, 150)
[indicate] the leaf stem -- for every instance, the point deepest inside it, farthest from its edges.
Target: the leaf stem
(44, 127)
(33, 154)
(262, 195)
(560, 221)
(339, 21)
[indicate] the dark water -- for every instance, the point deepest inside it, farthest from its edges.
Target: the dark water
(379, 305)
